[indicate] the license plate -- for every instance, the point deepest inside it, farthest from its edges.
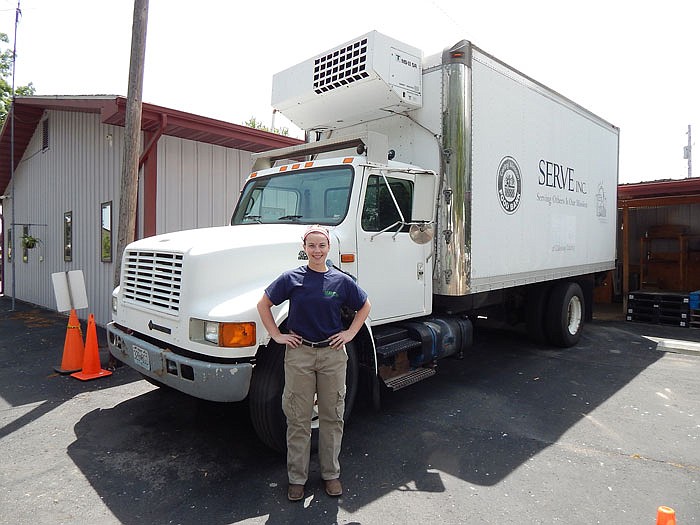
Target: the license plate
(141, 357)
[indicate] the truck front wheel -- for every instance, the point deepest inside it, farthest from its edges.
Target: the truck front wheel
(265, 396)
(565, 314)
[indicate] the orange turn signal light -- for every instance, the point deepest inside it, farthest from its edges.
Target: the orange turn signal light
(237, 335)
(347, 257)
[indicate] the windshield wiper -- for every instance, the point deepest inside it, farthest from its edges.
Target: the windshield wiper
(290, 218)
(253, 218)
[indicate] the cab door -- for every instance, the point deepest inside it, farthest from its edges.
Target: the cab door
(391, 268)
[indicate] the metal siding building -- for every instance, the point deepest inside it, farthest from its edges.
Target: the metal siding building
(195, 186)
(68, 157)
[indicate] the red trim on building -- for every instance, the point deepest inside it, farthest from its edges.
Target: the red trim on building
(150, 193)
(111, 108)
(657, 188)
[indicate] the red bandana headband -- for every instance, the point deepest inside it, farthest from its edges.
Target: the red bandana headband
(317, 229)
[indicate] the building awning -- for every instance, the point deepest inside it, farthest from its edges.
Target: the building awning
(29, 111)
(669, 192)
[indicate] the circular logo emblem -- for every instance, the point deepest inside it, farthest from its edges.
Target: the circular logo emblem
(509, 184)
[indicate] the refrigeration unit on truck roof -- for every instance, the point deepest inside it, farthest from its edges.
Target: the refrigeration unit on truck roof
(385, 76)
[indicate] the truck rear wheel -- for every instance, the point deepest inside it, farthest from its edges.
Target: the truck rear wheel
(565, 311)
(265, 397)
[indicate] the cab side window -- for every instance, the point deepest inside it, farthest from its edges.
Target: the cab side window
(379, 210)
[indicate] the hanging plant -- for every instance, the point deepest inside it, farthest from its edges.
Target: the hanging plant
(29, 242)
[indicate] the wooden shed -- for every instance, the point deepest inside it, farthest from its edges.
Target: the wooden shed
(659, 242)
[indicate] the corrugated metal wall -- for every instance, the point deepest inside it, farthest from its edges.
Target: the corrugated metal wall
(198, 185)
(79, 170)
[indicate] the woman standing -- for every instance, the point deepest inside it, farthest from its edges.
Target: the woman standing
(315, 358)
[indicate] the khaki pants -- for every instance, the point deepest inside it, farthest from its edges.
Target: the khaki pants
(308, 371)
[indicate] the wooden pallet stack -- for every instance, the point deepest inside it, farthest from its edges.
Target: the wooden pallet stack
(660, 308)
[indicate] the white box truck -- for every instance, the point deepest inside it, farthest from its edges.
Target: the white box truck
(454, 187)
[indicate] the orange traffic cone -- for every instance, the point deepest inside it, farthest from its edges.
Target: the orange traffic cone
(665, 516)
(73, 349)
(91, 361)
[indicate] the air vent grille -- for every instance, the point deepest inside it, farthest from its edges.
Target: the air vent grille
(341, 67)
(153, 279)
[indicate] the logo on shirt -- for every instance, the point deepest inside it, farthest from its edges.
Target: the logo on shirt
(330, 293)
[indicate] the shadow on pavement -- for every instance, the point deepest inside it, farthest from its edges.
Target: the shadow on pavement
(162, 457)
(31, 344)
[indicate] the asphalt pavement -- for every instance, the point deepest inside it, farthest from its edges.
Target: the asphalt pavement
(515, 433)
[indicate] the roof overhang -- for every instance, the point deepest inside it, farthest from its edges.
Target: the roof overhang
(659, 193)
(28, 112)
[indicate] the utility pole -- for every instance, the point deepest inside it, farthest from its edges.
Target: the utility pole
(11, 116)
(128, 195)
(688, 154)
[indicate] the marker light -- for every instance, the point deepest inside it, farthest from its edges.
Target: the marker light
(237, 335)
(230, 335)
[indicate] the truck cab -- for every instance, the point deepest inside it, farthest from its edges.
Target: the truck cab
(192, 295)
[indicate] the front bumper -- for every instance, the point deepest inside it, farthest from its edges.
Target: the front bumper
(201, 379)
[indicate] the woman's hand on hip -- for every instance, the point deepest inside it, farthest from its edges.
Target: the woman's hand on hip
(291, 340)
(341, 339)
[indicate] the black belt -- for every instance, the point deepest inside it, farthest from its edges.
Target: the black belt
(320, 344)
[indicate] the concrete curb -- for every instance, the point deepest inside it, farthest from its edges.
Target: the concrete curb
(677, 346)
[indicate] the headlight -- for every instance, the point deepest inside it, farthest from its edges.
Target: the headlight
(230, 335)
(114, 303)
(211, 332)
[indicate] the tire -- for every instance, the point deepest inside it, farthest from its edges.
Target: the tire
(565, 314)
(536, 313)
(265, 396)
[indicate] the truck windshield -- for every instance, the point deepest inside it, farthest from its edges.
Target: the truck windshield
(317, 196)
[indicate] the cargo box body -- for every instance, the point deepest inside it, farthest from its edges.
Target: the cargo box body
(529, 183)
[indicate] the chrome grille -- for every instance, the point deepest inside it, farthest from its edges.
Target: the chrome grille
(154, 279)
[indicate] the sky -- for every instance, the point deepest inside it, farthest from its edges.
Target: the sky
(635, 64)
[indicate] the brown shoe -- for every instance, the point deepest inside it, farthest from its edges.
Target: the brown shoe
(295, 492)
(333, 487)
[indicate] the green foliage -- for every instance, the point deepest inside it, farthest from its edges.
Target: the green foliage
(106, 254)
(29, 241)
(252, 122)
(5, 86)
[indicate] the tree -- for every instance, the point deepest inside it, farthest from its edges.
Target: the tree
(255, 124)
(5, 86)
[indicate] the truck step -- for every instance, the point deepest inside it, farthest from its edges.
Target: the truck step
(383, 335)
(396, 347)
(409, 378)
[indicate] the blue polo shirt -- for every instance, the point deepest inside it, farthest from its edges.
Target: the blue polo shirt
(315, 300)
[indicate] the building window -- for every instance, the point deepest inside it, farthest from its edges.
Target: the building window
(9, 244)
(45, 134)
(68, 236)
(25, 250)
(106, 232)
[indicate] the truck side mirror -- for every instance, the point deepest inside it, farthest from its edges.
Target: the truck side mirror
(424, 197)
